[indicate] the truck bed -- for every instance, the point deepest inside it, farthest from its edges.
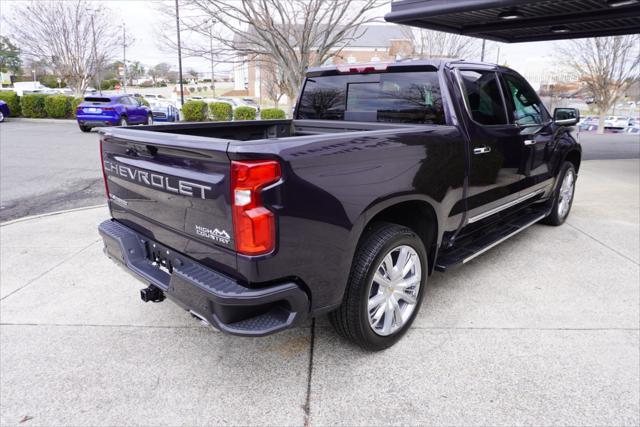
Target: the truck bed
(266, 129)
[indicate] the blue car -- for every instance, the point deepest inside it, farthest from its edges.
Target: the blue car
(116, 110)
(4, 110)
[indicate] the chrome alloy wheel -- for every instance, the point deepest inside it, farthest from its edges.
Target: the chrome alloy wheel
(393, 291)
(566, 193)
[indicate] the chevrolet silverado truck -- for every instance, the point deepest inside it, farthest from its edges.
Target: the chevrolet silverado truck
(386, 173)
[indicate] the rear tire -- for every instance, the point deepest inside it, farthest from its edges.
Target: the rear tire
(84, 128)
(381, 300)
(563, 195)
(1, 117)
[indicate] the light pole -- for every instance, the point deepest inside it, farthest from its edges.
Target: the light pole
(179, 54)
(484, 43)
(95, 50)
(34, 79)
(124, 58)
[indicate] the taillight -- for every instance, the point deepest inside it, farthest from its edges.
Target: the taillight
(104, 175)
(254, 225)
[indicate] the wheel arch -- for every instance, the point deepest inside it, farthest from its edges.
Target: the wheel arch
(575, 157)
(414, 212)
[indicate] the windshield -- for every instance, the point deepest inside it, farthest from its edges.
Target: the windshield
(401, 97)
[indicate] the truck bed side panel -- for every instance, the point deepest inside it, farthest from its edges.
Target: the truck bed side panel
(333, 184)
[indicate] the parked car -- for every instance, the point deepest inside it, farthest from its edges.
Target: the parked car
(114, 110)
(165, 112)
(4, 111)
(387, 173)
(617, 122)
(151, 97)
(589, 123)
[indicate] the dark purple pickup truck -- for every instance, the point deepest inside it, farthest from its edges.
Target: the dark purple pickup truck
(386, 173)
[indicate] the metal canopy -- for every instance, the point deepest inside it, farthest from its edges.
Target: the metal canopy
(514, 21)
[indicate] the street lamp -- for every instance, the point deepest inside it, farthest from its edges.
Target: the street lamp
(179, 54)
(93, 12)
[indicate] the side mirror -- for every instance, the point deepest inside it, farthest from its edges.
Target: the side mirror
(566, 116)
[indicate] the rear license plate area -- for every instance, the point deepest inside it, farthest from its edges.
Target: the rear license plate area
(159, 257)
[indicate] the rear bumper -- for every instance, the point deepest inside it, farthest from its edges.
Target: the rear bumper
(219, 299)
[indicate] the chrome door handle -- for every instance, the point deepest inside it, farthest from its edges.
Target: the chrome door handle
(529, 142)
(482, 150)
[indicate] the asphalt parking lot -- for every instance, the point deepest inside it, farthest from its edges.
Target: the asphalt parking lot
(49, 165)
(543, 329)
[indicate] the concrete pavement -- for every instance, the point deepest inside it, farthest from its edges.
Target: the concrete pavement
(543, 329)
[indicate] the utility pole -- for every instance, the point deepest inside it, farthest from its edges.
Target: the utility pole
(498, 56)
(124, 58)
(95, 53)
(179, 54)
(484, 43)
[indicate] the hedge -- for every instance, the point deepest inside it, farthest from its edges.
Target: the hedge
(272, 114)
(58, 106)
(74, 106)
(195, 111)
(220, 111)
(244, 113)
(32, 105)
(13, 101)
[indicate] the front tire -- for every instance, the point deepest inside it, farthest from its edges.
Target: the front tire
(1, 117)
(123, 121)
(563, 195)
(385, 287)
(149, 119)
(84, 128)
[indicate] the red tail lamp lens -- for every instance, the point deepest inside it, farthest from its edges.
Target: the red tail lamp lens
(254, 225)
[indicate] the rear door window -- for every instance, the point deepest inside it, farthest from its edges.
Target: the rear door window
(483, 97)
(407, 97)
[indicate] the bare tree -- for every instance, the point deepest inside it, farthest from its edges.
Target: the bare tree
(607, 66)
(275, 83)
(291, 35)
(61, 33)
(438, 44)
(160, 71)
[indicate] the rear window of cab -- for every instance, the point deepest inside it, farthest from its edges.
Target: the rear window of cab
(398, 97)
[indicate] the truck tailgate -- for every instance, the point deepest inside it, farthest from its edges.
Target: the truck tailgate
(174, 189)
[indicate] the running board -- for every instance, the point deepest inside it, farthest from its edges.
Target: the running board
(464, 254)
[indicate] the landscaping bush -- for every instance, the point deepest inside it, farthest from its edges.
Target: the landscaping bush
(220, 111)
(272, 114)
(13, 101)
(32, 105)
(244, 113)
(195, 111)
(58, 106)
(74, 106)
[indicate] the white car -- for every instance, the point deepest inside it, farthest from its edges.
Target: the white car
(617, 122)
(153, 97)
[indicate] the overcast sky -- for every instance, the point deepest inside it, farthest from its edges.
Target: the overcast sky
(143, 20)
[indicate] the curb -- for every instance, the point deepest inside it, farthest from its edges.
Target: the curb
(30, 120)
(29, 218)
